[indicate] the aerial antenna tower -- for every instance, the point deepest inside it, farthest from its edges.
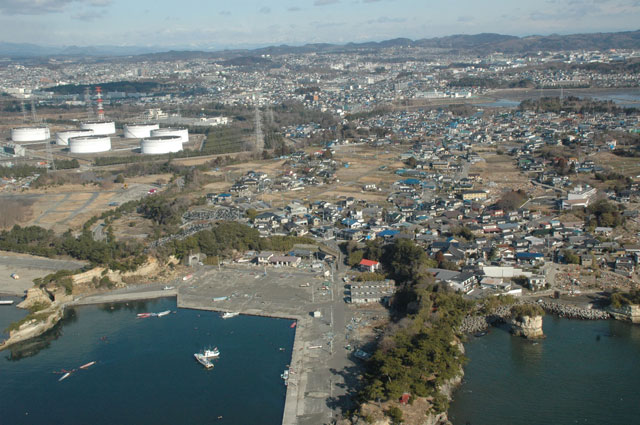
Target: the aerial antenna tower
(99, 101)
(88, 104)
(24, 111)
(34, 116)
(259, 143)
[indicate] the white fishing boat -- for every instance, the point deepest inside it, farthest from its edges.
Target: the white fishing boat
(211, 352)
(229, 314)
(204, 361)
(163, 313)
(6, 302)
(65, 376)
(285, 376)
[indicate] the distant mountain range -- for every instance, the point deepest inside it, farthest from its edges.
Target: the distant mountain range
(480, 43)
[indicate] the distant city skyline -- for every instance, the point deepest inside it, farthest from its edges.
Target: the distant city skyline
(201, 24)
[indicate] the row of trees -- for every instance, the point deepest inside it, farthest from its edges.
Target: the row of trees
(228, 238)
(417, 353)
(36, 240)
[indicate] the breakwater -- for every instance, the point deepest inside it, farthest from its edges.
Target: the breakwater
(479, 323)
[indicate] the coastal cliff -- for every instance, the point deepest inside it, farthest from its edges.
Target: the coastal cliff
(34, 324)
(529, 327)
(629, 313)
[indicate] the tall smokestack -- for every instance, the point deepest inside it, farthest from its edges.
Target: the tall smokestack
(99, 100)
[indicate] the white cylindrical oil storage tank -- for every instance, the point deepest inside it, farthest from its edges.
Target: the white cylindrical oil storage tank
(100, 128)
(30, 134)
(157, 145)
(139, 131)
(182, 132)
(62, 137)
(90, 144)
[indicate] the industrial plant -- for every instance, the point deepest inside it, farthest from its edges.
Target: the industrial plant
(94, 135)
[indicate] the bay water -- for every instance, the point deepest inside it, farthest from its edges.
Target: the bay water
(145, 371)
(584, 372)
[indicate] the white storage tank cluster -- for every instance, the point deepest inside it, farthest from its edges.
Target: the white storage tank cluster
(90, 144)
(157, 145)
(100, 128)
(183, 133)
(62, 137)
(139, 131)
(30, 134)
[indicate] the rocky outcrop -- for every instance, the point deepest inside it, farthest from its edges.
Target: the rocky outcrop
(36, 297)
(473, 324)
(529, 327)
(629, 313)
(37, 325)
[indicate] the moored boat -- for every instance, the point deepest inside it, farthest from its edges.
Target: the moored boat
(65, 376)
(88, 365)
(204, 361)
(211, 352)
(229, 314)
(144, 315)
(163, 313)
(6, 302)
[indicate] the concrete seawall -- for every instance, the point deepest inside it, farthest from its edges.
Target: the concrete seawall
(121, 297)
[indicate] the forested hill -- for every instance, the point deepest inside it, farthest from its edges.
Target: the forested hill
(478, 43)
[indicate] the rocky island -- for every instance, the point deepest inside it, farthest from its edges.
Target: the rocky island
(527, 321)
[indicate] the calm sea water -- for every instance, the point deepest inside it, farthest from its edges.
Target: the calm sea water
(585, 372)
(629, 98)
(145, 371)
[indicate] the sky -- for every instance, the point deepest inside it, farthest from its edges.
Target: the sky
(216, 24)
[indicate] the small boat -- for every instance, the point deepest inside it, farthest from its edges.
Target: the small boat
(87, 366)
(293, 325)
(229, 314)
(203, 360)
(163, 313)
(211, 353)
(480, 334)
(285, 377)
(144, 315)
(65, 376)
(6, 302)
(168, 288)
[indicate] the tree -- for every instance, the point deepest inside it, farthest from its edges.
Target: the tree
(251, 214)
(354, 258)
(570, 257)
(395, 414)
(119, 179)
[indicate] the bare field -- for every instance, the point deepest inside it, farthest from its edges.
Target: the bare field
(501, 170)
(628, 166)
(69, 206)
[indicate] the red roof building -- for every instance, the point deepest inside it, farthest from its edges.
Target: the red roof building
(369, 265)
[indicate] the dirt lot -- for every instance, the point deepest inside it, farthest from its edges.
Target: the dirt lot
(28, 267)
(499, 173)
(69, 206)
(628, 166)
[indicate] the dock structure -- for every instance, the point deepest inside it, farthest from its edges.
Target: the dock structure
(283, 293)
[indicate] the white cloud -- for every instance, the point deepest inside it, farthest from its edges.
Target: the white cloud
(42, 7)
(325, 2)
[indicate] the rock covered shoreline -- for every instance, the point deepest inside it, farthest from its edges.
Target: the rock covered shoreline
(474, 324)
